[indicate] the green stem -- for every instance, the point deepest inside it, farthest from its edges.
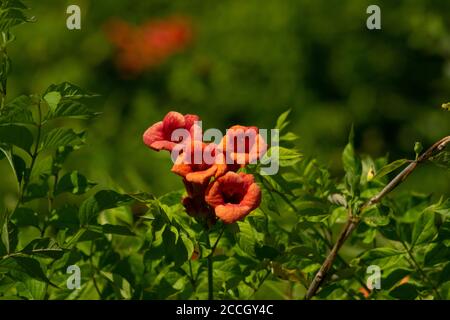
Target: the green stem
(35, 152)
(210, 264)
(422, 273)
(210, 278)
(94, 270)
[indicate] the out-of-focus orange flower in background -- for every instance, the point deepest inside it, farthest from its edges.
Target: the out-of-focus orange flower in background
(143, 47)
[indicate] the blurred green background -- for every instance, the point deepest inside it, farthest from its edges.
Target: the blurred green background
(248, 62)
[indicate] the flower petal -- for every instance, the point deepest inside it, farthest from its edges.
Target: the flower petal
(230, 213)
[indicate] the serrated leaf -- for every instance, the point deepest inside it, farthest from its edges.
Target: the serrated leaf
(73, 182)
(52, 98)
(17, 111)
(69, 90)
(61, 137)
(424, 228)
(102, 200)
(72, 109)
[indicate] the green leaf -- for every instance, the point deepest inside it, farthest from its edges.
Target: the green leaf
(311, 207)
(394, 277)
(17, 4)
(17, 111)
(282, 120)
(44, 247)
(117, 229)
(266, 252)
(424, 228)
(102, 200)
(29, 266)
(289, 137)
(36, 190)
(380, 253)
(68, 90)
(25, 217)
(442, 159)
(437, 253)
(406, 291)
(52, 98)
(16, 135)
(36, 288)
(390, 167)
(121, 286)
(284, 156)
(73, 182)
(61, 137)
(246, 238)
(20, 167)
(4, 232)
(188, 244)
(16, 165)
(11, 17)
(376, 216)
(352, 165)
(72, 109)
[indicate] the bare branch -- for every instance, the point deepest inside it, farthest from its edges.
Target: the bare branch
(353, 221)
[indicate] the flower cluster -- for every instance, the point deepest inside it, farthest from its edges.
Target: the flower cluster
(148, 45)
(215, 189)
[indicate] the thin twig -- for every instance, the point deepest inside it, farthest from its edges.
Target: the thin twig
(353, 221)
(417, 266)
(317, 232)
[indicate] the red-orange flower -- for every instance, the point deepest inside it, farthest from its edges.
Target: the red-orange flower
(243, 145)
(159, 136)
(233, 196)
(193, 167)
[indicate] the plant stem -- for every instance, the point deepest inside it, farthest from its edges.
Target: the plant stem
(210, 264)
(35, 152)
(210, 278)
(417, 266)
(353, 221)
(315, 230)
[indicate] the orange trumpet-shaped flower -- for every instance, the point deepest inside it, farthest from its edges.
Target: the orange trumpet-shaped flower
(233, 196)
(159, 136)
(243, 145)
(193, 166)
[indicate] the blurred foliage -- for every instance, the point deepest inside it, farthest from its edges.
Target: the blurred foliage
(247, 63)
